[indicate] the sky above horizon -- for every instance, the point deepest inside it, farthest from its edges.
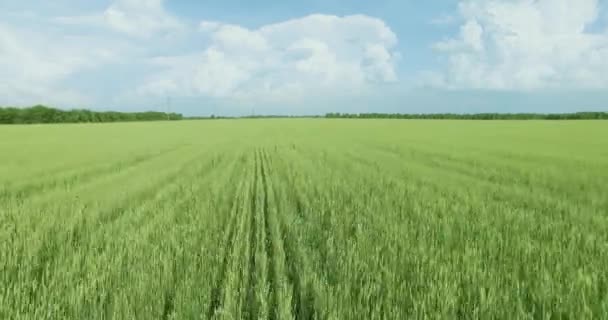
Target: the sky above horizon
(235, 57)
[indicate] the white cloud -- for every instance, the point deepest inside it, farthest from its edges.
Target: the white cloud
(140, 17)
(316, 53)
(525, 44)
(378, 64)
(42, 62)
(33, 64)
(137, 18)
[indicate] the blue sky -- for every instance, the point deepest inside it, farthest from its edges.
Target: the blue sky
(306, 57)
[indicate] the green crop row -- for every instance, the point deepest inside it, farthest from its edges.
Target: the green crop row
(304, 219)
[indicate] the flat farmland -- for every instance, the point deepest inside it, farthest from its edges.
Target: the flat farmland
(305, 219)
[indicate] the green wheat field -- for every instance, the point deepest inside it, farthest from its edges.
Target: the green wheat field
(305, 219)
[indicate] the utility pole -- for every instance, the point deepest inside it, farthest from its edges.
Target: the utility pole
(168, 105)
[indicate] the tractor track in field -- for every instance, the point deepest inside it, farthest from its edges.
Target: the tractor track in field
(148, 194)
(302, 304)
(268, 245)
(108, 217)
(259, 272)
(82, 179)
(476, 171)
(217, 291)
(169, 187)
(248, 309)
(541, 196)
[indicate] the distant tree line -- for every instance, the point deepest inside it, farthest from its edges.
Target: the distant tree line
(455, 116)
(212, 117)
(476, 116)
(43, 114)
(279, 116)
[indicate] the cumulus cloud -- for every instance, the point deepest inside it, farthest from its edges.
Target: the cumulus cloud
(38, 60)
(525, 45)
(136, 18)
(316, 52)
(312, 56)
(33, 64)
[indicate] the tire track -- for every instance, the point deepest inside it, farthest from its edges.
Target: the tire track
(262, 301)
(145, 228)
(516, 198)
(263, 308)
(305, 290)
(302, 300)
(24, 192)
(268, 244)
(490, 172)
(234, 286)
(161, 189)
(77, 235)
(260, 279)
(217, 292)
(248, 303)
(273, 305)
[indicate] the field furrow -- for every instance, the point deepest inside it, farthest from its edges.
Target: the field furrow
(228, 243)
(62, 181)
(263, 301)
(164, 183)
(305, 219)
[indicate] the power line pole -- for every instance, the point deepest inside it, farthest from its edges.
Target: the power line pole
(168, 105)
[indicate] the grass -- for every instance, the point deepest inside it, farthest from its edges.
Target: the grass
(306, 219)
